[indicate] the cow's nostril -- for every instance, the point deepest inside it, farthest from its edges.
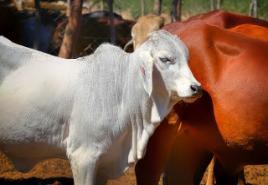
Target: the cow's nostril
(195, 88)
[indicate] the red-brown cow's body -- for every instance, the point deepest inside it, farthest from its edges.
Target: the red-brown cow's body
(232, 68)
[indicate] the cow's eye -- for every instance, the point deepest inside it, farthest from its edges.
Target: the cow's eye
(166, 60)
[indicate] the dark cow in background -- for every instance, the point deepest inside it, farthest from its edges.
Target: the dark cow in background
(95, 29)
(23, 28)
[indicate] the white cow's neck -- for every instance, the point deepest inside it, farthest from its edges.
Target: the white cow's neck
(148, 110)
(140, 115)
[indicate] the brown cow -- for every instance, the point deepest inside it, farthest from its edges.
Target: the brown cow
(228, 143)
(143, 27)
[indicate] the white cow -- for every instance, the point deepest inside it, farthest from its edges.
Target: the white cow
(98, 111)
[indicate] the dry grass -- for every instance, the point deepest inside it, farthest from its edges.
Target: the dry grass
(58, 168)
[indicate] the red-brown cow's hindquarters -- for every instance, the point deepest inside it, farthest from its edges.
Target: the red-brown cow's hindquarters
(234, 72)
(240, 101)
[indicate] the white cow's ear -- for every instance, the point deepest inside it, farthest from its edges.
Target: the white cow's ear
(146, 70)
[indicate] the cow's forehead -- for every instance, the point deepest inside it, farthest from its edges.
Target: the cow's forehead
(163, 40)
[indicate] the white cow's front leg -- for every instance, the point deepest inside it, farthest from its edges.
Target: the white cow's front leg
(143, 141)
(84, 167)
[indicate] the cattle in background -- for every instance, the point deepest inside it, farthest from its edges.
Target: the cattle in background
(88, 109)
(21, 28)
(95, 29)
(149, 169)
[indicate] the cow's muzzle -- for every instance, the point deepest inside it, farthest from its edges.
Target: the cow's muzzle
(197, 92)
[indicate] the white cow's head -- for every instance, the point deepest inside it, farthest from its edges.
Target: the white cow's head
(166, 69)
(166, 78)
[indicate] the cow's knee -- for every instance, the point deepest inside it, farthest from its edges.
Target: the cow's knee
(84, 167)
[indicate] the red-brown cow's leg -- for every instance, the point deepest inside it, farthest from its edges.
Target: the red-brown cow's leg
(187, 163)
(149, 169)
(223, 177)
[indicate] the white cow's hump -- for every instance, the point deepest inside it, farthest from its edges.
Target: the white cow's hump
(14, 56)
(11, 57)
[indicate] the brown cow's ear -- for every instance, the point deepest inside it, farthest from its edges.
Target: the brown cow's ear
(146, 70)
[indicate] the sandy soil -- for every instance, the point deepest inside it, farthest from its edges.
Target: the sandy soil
(57, 172)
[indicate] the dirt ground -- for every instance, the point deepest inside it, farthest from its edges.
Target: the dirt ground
(57, 172)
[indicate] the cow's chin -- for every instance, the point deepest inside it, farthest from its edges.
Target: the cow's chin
(176, 98)
(188, 99)
(191, 99)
